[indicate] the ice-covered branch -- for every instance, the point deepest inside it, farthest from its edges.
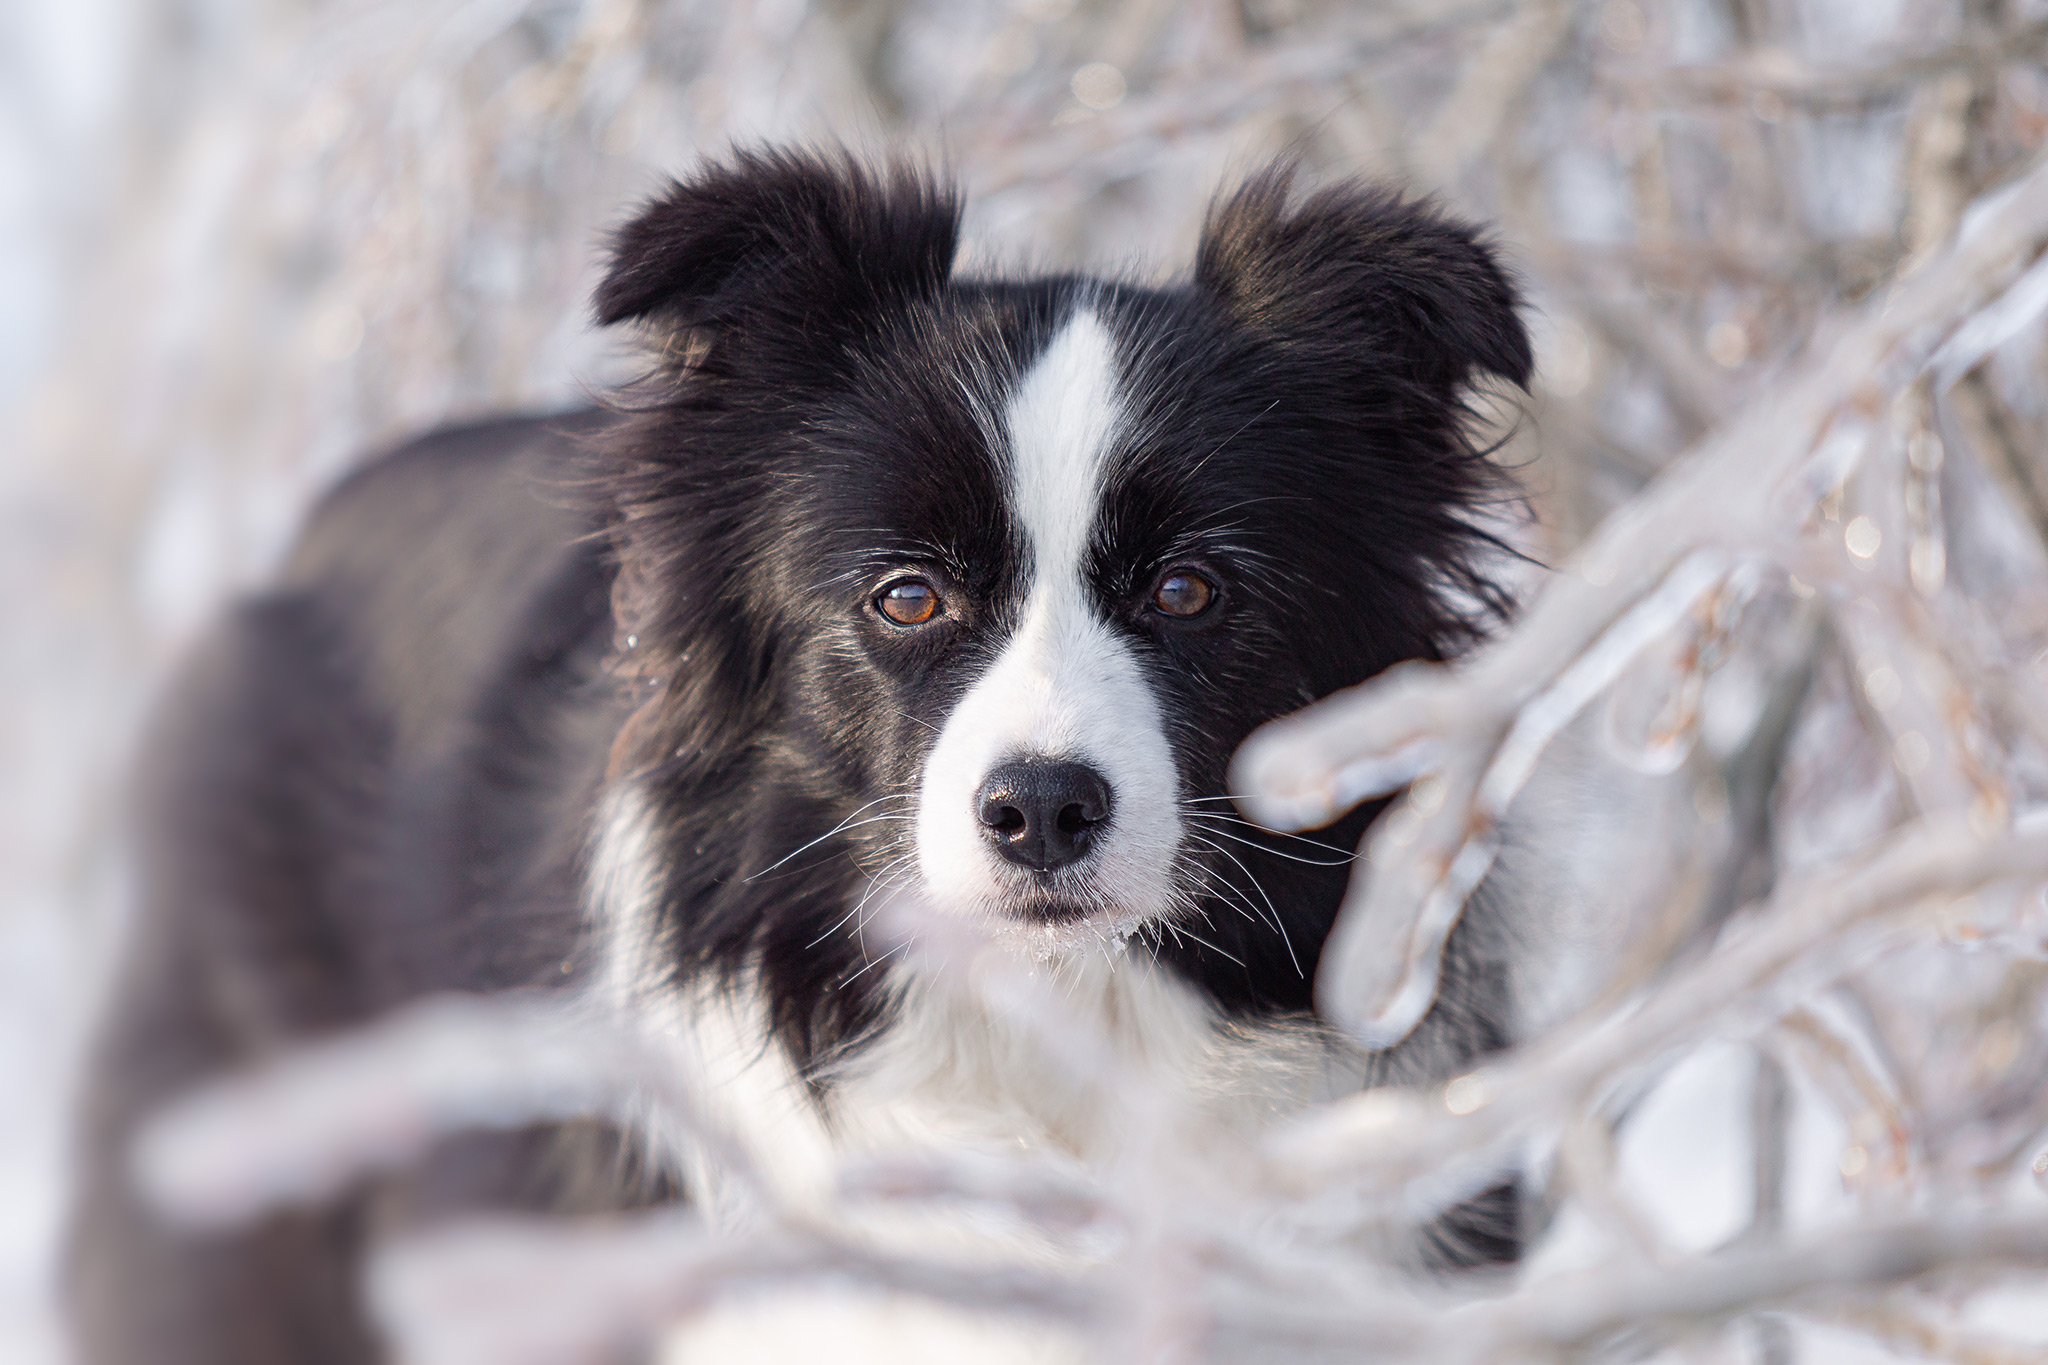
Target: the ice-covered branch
(319, 1118)
(538, 1292)
(1388, 1139)
(1567, 1316)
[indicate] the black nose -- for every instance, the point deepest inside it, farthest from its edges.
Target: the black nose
(1043, 814)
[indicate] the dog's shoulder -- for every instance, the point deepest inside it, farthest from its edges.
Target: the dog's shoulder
(436, 560)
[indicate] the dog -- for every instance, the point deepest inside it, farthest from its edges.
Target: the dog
(881, 582)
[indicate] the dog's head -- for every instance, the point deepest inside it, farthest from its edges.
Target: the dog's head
(993, 575)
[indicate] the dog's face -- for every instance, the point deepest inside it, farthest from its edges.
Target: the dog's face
(1006, 571)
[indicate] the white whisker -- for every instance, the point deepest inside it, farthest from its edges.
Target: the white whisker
(1273, 910)
(850, 822)
(1277, 853)
(1178, 929)
(886, 876)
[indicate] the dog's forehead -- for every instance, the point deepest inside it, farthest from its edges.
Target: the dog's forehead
(1009, 429)
(1064, 421)
(1138, 427)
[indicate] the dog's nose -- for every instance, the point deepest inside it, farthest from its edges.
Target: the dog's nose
(1041, 813)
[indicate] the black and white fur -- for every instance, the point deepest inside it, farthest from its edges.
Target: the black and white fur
(609, 701)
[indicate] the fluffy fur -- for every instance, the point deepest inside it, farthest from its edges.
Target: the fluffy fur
(658, 740)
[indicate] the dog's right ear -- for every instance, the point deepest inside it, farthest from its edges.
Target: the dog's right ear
(1368, 277)
(818, 239)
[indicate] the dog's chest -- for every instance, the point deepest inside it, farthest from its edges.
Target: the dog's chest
(959, 1074)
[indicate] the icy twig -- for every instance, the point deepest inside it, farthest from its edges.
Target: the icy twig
(306, 1125)
(1918, 1334)
(1386, 1140)
(539, 1292)
(1774, 71)
(1581, 1310)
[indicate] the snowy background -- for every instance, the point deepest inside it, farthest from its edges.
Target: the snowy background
(69, 709)
(241, 240)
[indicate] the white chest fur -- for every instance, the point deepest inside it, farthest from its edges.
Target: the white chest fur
(1069, 1069)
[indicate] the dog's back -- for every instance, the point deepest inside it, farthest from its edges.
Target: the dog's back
(354, 796)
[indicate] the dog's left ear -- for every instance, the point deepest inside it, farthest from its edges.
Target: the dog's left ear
(799, 236)
(1408, 286)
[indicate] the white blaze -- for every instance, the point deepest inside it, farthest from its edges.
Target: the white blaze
(1065, 685)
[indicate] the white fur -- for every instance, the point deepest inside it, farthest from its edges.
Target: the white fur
(719, 1041)
(1064, 687)
(954, 1076)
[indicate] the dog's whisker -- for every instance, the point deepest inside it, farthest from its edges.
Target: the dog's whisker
(1273, 911)
(1281, 853)
(1221, 889)
(860, 919)
(850, 822)
(858, 824)
(1231, 818)
(868, 963)
(885, 876)
(1220, 952)
(894, 876)
(1226, 798)
(1230, 896)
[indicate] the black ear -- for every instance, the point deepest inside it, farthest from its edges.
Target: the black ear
(1413, 286)
(777, 228)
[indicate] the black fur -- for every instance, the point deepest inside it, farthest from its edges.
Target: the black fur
(380, 778)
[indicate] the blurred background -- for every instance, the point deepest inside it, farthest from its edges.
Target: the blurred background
(243, 241)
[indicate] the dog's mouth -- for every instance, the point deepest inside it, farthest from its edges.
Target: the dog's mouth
(1053, 910)
(1046, 925)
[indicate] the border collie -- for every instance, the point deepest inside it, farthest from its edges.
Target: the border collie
(882, 582)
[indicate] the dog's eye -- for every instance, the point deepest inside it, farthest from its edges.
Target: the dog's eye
(1183, 593)
(911, 602)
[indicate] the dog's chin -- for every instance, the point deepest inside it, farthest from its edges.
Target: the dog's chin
(1052, 911)
(1051, 928)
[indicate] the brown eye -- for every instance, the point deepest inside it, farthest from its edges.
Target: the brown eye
(909, 603)
(1183, 593)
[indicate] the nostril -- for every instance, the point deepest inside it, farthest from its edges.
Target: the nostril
(1043, 813)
